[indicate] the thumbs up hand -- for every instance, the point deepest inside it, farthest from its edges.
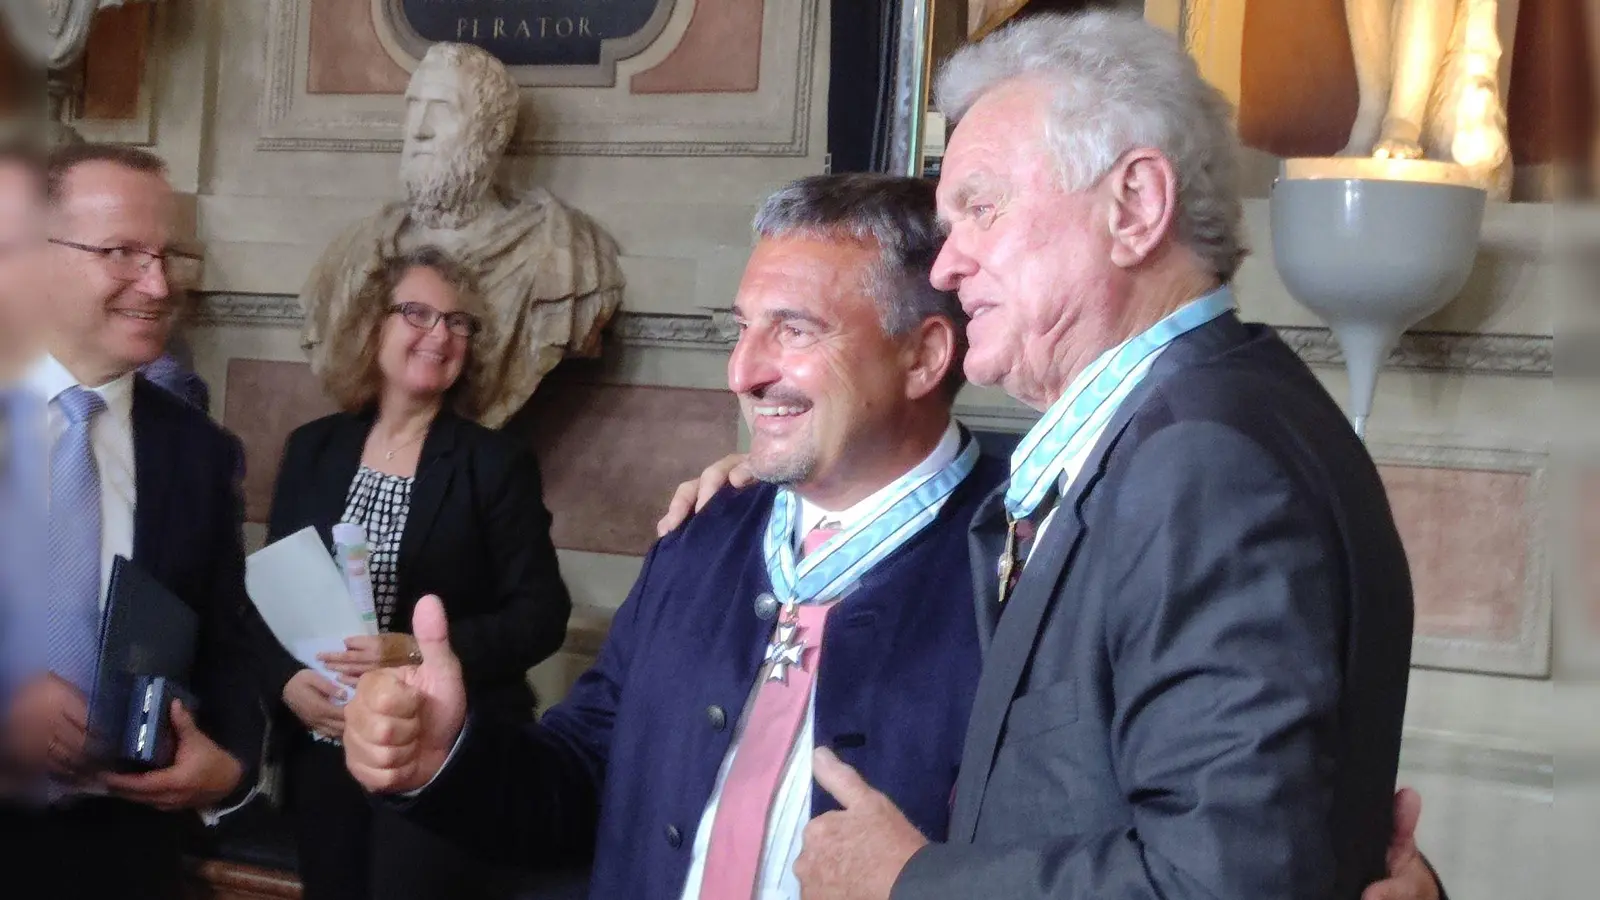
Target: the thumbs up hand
(403, 722)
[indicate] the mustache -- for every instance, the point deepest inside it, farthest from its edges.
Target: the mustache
(780, 396)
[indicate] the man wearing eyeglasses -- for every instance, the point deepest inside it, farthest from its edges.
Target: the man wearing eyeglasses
(132, 472)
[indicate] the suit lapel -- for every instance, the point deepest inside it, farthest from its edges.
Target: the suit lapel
(343, 459)
(1006, 653)
(155, 462)
(434, 474)
(1016, 625)
(985, 542)
(1015, 629)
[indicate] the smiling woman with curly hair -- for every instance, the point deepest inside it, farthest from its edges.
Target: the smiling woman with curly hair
(355, 377)
(449, 508)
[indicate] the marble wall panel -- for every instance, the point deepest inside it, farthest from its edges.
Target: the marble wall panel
(1467, 536)
(1475, 526)
(345, 56)
(266, 400)
(720, 53)
(613, 454)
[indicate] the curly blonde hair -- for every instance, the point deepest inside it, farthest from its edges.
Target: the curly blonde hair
(354, 378)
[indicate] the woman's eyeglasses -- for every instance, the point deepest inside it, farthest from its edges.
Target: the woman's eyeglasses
(424, 317)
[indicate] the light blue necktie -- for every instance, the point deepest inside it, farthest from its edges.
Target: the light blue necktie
(74, 535)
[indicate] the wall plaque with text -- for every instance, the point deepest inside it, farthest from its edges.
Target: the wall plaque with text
(543, 42)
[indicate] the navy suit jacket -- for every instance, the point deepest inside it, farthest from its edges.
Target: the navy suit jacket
(624, 767)
(187, 533)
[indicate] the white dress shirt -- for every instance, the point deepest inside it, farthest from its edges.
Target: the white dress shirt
(111, 436)
(791, 809)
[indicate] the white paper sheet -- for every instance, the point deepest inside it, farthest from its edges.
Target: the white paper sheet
(306, 651)
(297, 587)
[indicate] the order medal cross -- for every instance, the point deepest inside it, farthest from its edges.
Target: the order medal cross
(1008, 559)
(786, 649)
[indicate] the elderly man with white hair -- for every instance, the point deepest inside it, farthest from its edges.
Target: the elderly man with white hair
(1195, 608)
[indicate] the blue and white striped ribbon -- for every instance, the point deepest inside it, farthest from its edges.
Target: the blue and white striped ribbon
(1072, 425)
(839, 562)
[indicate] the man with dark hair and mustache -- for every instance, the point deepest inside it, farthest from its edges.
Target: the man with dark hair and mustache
(682, 760)
(549, 273)
(135, 472)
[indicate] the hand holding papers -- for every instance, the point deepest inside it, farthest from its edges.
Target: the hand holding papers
(303, 598)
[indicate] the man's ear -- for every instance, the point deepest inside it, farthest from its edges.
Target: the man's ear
(1143, 190)
(931, 351)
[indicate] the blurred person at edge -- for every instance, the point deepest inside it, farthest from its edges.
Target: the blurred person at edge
(131, 471)
(449, 508)
(21, 194)
(21, 191)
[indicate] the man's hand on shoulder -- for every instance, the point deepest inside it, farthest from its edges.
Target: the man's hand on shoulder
(693, 495)
(201, 774)
(404, 721)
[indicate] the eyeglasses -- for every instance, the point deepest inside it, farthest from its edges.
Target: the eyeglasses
(130, 263)
(424, 317)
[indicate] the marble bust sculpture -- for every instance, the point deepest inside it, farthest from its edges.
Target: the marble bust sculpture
(1428, 77)
(549, 274)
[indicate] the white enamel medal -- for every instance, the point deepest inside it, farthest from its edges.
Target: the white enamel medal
(785, 648)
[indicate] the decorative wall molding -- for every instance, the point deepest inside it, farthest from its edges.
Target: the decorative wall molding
(1438, 351)
(274, 310)
(1462, 757)
(715, 331)
(1475, 354)
(774, 121)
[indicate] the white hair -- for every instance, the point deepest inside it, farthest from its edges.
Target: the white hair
(1119, 83)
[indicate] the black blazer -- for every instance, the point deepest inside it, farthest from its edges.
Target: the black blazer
(477, 535)
(1197, 686)
(187, 533)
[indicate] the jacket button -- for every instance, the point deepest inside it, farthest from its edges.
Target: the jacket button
(717, 717)
(674, 837)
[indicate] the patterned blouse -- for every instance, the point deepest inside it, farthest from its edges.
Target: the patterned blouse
(379, 503)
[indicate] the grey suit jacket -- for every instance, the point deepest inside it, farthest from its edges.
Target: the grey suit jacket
(1196, 689)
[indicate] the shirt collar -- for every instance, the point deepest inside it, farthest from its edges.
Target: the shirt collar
(943, 454)
(48, 379)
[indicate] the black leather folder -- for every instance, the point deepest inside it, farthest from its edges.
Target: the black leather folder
(147, 648)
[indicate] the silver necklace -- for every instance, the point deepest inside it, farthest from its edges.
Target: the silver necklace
(389, 454)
